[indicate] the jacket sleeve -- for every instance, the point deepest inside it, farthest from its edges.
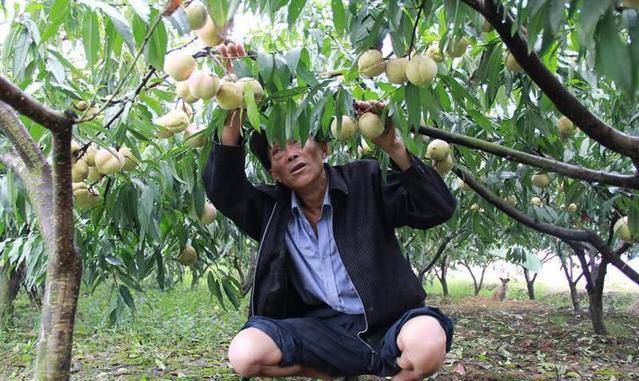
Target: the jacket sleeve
(416, 197)
(231, 192)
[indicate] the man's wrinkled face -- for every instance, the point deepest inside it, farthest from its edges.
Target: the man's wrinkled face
(295, 166)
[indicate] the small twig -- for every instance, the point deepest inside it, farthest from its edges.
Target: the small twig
(126, 75)
(412, 39)
(182, 46)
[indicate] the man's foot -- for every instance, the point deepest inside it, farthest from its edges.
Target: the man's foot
(351, 378)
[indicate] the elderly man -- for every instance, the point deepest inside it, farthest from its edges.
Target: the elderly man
(332, 294)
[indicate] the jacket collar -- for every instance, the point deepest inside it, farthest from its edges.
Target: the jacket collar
(336, 183)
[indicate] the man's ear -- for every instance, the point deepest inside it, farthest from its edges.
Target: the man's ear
(270, 172)
(324, 149)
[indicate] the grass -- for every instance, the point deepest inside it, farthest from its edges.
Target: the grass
(183, 334)
(458, 288)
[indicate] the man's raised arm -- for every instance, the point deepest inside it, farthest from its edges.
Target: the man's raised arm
(226, 184)
(416, 195)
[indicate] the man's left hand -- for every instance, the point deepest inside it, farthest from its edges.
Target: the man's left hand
(388, 140)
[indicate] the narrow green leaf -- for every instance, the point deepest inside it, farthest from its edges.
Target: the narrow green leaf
(413, 105)
(217, 11)
(251, 108)
(91, 36)
(294, 10)
(230, 292)
(121, 24)
(339, 16)
(156, 48)
(265, 63)
(141, 8)
(57, 13)
(591, 12)
(613, 57)
(127, 297)
(556, 11)
(214, 288)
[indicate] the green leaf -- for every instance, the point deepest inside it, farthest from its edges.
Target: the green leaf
(251, 108)
(141, 9)
(57, 13)
(265, 63)
(56, 68)
(339, 16)
(612, 56)
(156, 48)
(121, 24)
(413, 105)
(139, 30)
(292, 58)
(161, 271)
(230, 292)
(532, 263)
(218, 11)
(91, 36)
(20, 52)
(214, 288)
(591, 12)
(294, 10)
(113, 40)
(556, 11)
(127, 297)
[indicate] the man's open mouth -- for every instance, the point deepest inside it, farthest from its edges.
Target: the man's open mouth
(297, 168)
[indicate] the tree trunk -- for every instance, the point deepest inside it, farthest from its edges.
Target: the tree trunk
(440, 251)
(574, 297)
(530, 284)
(51, 198)
(481, 281)
(477, 284)
(595, 278)
(9, 285)
(595, 298)
(64, 270)
(595, 308)
(442, 278)
(572, 284)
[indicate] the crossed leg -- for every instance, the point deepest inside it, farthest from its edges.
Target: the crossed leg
(422, 341)
(253, 353)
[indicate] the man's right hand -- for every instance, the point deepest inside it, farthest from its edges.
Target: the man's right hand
(232, 128)
(233, 124)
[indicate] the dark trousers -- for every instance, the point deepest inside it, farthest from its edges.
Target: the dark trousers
(326, 340)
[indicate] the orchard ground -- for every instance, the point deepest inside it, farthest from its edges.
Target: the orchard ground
(183, 334)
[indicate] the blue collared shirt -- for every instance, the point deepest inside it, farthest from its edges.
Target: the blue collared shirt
(320, 269)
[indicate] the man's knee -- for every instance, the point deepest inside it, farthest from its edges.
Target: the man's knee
(422, 341)
(250, 350)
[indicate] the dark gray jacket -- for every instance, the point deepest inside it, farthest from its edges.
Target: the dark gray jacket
(366, 210)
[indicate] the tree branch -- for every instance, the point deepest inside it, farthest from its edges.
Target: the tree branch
(147, 37)
(570, 170)
(32, 168)
(579, 252)
(440, 251)
(554, 230)
(564, 100)
(412, 38)
(21, 140)
(28, 106)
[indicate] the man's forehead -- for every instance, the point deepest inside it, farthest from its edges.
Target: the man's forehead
(288, 142)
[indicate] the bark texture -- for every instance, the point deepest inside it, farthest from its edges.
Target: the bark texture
(51, 197)
(64, 271)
